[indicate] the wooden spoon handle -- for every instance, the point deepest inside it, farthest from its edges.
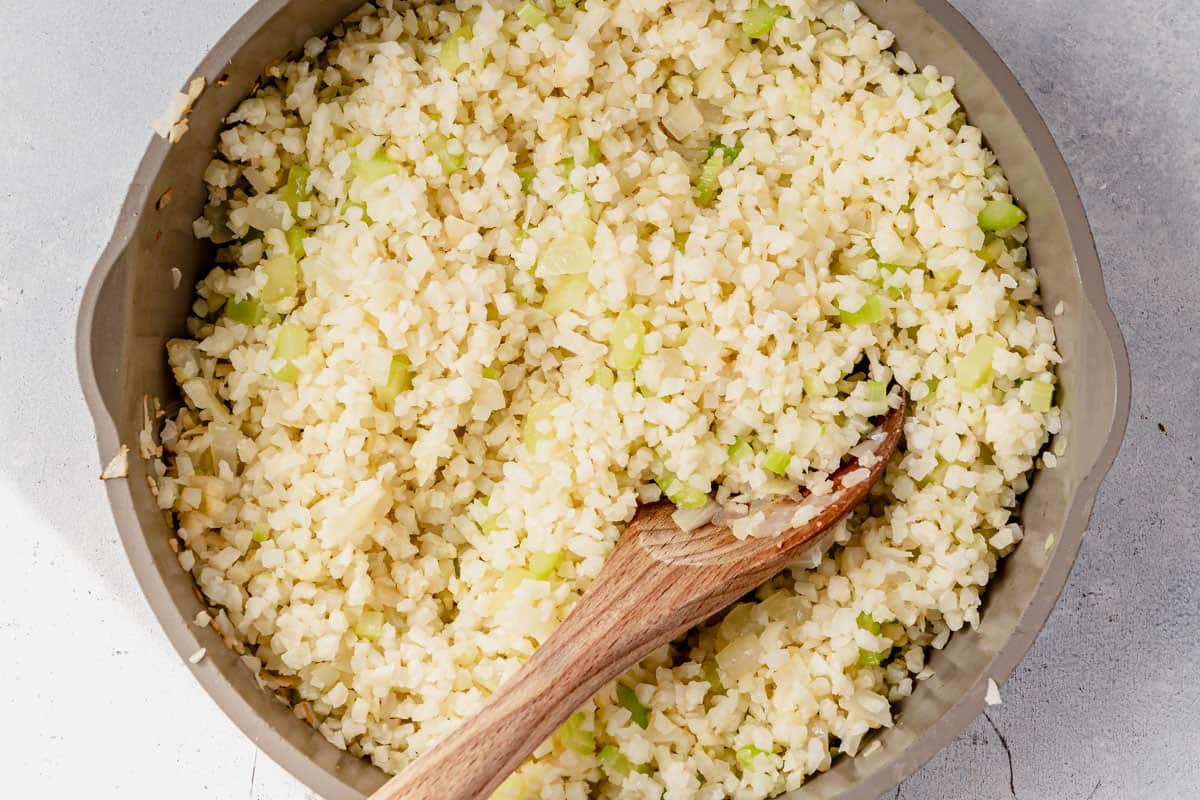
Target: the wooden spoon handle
(592, 646)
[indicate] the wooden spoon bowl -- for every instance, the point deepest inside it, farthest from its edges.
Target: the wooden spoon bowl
(658, 582)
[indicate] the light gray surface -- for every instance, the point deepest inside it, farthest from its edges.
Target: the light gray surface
(1105, 707)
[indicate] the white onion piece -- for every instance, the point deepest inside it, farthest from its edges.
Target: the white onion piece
(740, 657)
(688, 519)
(225, 439)
(683, 119)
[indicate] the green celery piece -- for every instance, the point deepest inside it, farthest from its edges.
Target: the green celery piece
(247, 311)
(627, 698)
(761, 19)
(999, 215)
(575, 737)
(439, 145)
(526, 174)
(283, 278)
(531, 14)
(370, 625)
(542, 565)
(870, 312)
(614, 761)
(740, 450)
(375, 168)
(295, 242)
(777, 461)
(399, 379)
(290, 343)
(626, 342)
(745, 755)
(876, 392)
(296, 189)
(870, 658)
(975, 367)
(603, 377)
(1041, 395)
(708, 184)
(868, 623)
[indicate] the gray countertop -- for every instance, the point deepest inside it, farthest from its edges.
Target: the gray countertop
(1106, 706)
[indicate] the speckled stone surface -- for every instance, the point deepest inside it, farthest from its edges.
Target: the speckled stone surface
(1106, 706)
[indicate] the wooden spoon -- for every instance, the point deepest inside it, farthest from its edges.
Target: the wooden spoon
(657, 582)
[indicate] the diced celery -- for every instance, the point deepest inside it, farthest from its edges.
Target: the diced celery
(627, 698)
(708, 183)
(349, 204)
(567, 254)
(870, 312)
(248, 310)
(370, 625)
(814, 386)
(512, 578)
(938, 102)
(947, 275)
(451, 54)
(541, 565)
(868, 623)
(375, 168)
(731, 152)
(975, 367)
(538, 423)
(531, 14)
(919, 85)
(568, 166)
(492, 374)
(746, 754)
(876, 392)
(603, 377)
(713, 676)
(740, 450)
(290, 343)
(260, 532)
(593, 155)
(514, 787)
(296, 188)
(582, 225)
(686, 496)
(1040, 395)
(491, 524)
(871, 658)
(526, 174)
(680, 493)
(575, 737)
(895, 286)
(253, 234)
(999, 215)
(761, 19)
(777, 461)
(991, 251)
(283, 278)
(626, 342)
(295, 242)
(439, 145)
(568, 293)
(614, 761)
(399, 379)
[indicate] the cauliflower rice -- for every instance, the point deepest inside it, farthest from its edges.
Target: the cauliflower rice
(486, 274)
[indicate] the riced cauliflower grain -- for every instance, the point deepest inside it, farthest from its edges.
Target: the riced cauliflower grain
(482, 287)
